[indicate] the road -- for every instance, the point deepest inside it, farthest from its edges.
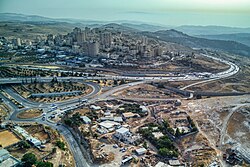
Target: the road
(183, 77)
(231, 71)
(75, 148)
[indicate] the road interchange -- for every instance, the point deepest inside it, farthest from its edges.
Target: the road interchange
(94, 96)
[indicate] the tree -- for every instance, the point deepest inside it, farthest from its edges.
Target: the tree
(24, 144)
(54, 80)
(160, 86)
(165, 123)
(177, 132)
(170, 130)
(60, 144)
(122, 82)
(145, 144)
(68, 122)
(164, 141)
(29, 159)
(54, 150)
(44, 164)
(95, 135)
(164, 152)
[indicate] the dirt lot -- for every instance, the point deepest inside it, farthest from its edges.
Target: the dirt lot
(222, 86)
(144, 91)
(239, 121)
(32, 113)
(220, 123)
(81, 111)
(62, 157)
(178, 84)
(117, 155)
(7, 138)
(210, 64)
(196, 150)
(37, 131)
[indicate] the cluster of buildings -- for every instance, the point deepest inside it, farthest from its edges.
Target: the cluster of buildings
(232, 157)
(111, 123)
(115, 47)
(32, 140)
(6, 160)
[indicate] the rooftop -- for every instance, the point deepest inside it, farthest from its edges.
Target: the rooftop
(122, 130)
(141, 150)
(108, 124)
(128, 114)
(11, 161)
(3, 152)
(85, 119)
(157, 135)
(174, 162)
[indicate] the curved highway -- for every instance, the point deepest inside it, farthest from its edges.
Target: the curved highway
(185, 77)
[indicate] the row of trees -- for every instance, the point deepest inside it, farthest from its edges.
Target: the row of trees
(115, 82)
(134, 108)
(75, 120)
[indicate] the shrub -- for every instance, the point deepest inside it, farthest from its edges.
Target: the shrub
(60, 144)
(29, 159)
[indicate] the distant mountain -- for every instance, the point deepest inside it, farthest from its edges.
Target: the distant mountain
(243, 38)
(14, 17)
(145, 27)
(211, 30)
(24, 18)
(195, 42)
(118, 27)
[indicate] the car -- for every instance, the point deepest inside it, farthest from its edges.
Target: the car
(42, 146)
(85, 100)
(123, 149)
(115, 146)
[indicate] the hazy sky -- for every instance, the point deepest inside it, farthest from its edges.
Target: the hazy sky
(166, 12)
